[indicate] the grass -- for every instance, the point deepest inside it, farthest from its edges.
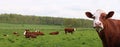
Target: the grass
(83, 37)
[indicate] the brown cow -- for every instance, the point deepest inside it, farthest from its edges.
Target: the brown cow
(69, 30)
(16, 33)
(29, 34)
(54, 33)
(108, 29)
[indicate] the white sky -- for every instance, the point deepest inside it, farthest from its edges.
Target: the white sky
(59, 8)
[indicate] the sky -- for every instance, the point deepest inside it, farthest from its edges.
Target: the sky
(59, 8)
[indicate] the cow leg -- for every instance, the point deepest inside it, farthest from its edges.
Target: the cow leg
(71, 32)
(27, 37)
(65, 32)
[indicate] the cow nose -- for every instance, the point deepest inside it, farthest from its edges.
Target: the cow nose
(98, 23)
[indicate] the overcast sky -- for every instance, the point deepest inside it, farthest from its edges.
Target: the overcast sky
(59, 8)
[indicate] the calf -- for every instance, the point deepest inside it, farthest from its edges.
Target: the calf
(69, 30)
(54, 33)
(29, 34)
(16, 33)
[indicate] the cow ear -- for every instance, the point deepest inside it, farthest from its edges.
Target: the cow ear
(110, 14)
(89, 14)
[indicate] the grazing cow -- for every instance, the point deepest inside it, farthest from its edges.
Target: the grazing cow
(107, 28)
(29, 34)
(54, 33)
(69, 30)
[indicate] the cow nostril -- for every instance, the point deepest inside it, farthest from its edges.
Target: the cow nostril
(97, 23)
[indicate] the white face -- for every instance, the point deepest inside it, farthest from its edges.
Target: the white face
(96, 22)
(24, 33)
(98, 18)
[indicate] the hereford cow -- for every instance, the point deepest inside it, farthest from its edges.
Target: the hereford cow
(69, 30)
(108, 29)
(54, 33)
(29, 34)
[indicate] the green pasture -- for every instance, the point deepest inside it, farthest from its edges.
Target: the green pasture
(82, 37)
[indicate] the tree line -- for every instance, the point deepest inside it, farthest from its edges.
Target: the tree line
(31, 19)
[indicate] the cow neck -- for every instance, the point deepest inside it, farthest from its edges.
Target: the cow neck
(108, 26)
(105, 24)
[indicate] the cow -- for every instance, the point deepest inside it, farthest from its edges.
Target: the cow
(108, 29)
(54, 33)
(69, 30)
(29, 34)
(16, 33)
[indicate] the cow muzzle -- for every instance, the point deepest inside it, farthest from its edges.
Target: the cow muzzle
(98, 28)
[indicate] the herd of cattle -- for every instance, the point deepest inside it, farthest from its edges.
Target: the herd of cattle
(30, 34)
(107, 28)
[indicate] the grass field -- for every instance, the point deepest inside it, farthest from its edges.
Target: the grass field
(82, 37)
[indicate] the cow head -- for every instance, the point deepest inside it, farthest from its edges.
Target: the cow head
(98, 17)
(26, 30)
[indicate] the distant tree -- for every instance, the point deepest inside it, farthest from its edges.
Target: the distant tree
(26, 19)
